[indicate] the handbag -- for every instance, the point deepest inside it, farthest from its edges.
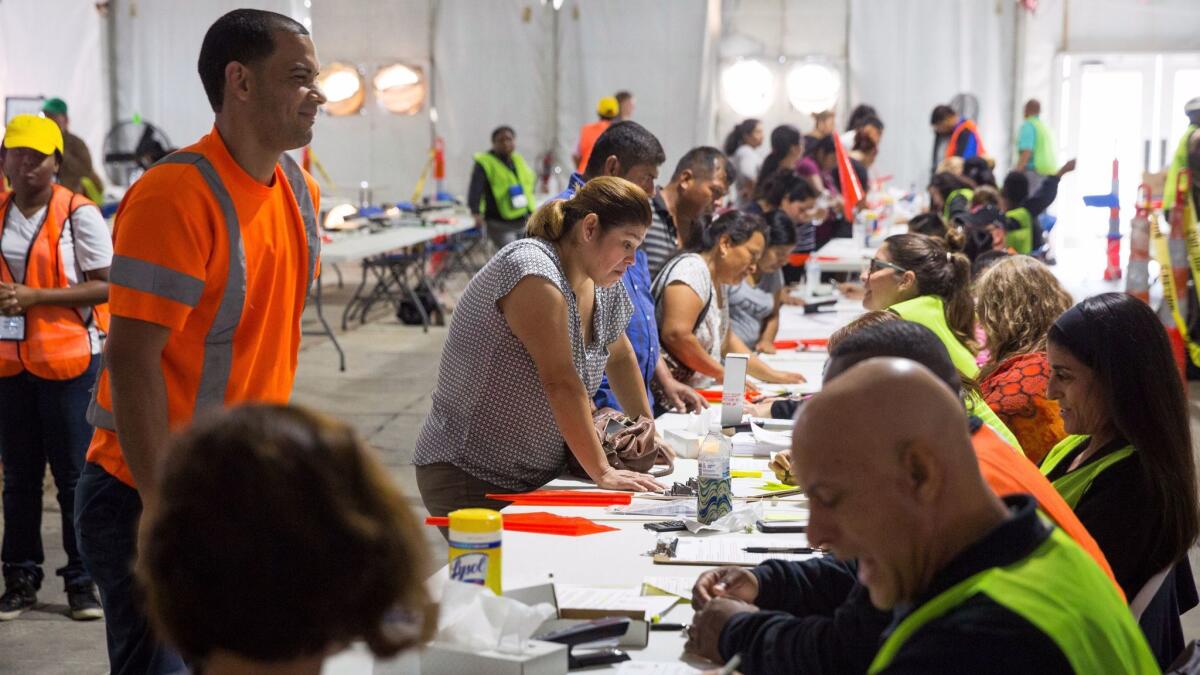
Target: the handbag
(628, 444)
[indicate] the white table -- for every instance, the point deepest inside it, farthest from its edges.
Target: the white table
(349, 245)
(614, 559)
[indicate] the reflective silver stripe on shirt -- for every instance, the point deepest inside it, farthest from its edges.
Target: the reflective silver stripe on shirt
(218, 343)
(308, 213)
(157, 280)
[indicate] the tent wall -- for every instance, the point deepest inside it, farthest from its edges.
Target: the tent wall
(157, 44)
(40, 63)
(518, 62)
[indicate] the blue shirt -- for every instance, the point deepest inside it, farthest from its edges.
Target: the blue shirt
(642, 330)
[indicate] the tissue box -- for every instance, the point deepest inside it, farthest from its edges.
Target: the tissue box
(685, 443)
(540, 658)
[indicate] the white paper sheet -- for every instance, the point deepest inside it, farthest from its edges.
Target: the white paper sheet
(727, 550)
(622, 600)
(676, 586)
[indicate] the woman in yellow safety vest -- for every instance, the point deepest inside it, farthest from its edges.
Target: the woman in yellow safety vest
(927, 281)
(56, 251)
(1127, 469)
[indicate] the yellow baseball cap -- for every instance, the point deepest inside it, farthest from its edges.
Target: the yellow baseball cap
(34, 132)
(608, 107)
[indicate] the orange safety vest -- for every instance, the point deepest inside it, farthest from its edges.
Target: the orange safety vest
(968, 125)
(56, 344)
(588, 134)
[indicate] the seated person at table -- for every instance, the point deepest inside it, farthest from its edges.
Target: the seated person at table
(627, 150)
(754, 303)
(947, 190)
(279, 539)
(1021, 209)
(535, 330)
(691, 307)
(934, 572)
(925, 281)
(790, 199)
(1018, 299)
(1129, 473)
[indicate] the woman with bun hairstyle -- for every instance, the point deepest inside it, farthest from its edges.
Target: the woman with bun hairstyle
(535, 331)
(925, 281)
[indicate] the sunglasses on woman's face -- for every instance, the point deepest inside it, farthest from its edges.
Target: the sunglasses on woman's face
(876, 264)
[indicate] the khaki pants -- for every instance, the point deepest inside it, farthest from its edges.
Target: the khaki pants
(445, 488)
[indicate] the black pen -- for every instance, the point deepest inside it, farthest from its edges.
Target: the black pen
(667, 626)
(779, 549)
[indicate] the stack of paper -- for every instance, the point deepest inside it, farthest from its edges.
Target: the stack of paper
(583, 602)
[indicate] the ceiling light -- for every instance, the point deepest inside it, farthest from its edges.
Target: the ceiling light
(812, 87)
(748, 87)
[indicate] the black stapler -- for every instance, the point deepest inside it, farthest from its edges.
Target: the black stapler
(580, 635)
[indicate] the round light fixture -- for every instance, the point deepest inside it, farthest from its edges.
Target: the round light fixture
(400, 88)
(343, 87)
(812, 87)
(748, 87)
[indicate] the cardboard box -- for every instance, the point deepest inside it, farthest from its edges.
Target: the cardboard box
(539, 658)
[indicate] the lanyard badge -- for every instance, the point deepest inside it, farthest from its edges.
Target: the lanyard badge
(12, 328)
(516, 197)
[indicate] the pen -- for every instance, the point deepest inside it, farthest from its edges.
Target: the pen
(667, 626)
(779, 549)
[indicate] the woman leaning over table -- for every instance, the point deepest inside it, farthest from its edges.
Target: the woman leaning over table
(535, 331)
(691, 304)
(54, 272)
(1128, 470)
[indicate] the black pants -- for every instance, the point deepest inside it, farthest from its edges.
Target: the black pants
(107, 515)
(42, 421)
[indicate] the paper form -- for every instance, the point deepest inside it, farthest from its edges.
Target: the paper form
(656, 668)
(727, 550)
(582, 602)
(677, 586)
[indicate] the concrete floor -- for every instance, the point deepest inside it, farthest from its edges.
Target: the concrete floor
(384, 393)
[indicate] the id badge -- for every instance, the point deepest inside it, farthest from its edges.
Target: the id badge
(12, 328)
(516, 197)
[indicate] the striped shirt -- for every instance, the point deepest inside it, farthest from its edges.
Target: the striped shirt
(661, 242)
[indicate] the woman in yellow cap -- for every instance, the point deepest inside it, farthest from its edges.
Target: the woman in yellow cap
(55, 251)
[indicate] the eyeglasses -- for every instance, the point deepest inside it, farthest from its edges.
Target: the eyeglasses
(875, 264)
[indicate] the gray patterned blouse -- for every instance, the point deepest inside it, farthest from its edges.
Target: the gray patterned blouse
(490, 415)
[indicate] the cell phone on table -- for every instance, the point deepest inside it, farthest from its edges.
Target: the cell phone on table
(780, 526)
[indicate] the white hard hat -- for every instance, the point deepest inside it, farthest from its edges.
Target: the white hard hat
(1192, 107)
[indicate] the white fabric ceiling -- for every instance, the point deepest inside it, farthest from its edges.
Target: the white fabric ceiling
(494, 63)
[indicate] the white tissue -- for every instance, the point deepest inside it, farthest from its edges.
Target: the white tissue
(773, 439)
(738, 520)
(473, 617)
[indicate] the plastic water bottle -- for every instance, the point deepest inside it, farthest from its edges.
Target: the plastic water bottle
(812, 275)
(714, 494)
(475, 551)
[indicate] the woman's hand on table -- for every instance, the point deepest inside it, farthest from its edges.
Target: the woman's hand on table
(628, 481)
(781, 464)
(775, 376)
(765, 347)
(761, 408)
(852, 290)
(681, 397)
(725, 582)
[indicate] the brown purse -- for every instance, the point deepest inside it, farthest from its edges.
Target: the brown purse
(628, 444)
